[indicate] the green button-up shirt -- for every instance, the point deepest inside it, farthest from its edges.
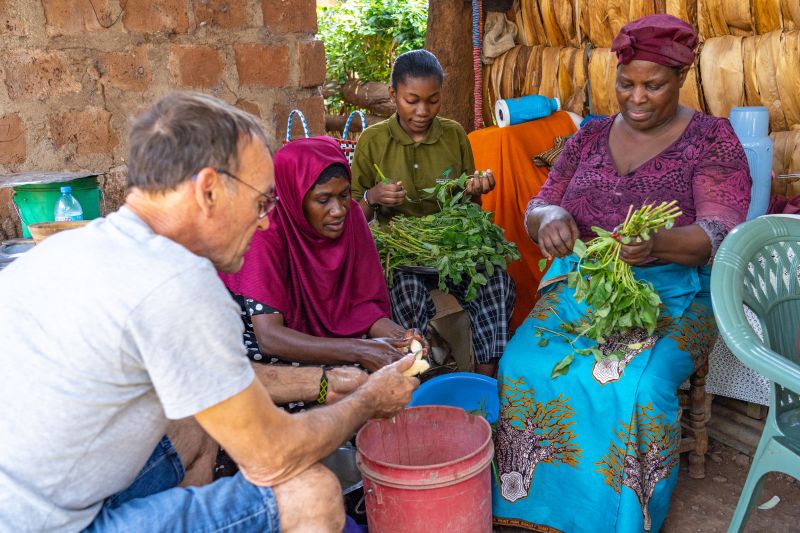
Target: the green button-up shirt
(417, 164)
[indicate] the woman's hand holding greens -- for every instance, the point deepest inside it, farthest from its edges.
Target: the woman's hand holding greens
(388, 194)
(637, 253)
(554, 230)
(481, 183)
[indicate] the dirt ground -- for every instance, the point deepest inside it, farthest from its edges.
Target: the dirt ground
(707, 505)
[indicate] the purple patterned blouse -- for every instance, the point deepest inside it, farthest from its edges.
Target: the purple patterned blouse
(705, 170)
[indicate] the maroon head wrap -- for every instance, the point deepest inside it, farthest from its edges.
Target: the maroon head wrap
(323, 287)
(661, 39)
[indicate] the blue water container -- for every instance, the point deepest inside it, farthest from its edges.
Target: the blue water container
(751, 125)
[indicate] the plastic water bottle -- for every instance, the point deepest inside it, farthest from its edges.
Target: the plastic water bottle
(67, 207)
(751, 125)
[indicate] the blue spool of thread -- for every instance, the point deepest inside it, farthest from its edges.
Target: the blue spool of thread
(751, 125)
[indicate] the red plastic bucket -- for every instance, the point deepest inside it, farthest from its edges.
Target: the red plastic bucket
(427, 470)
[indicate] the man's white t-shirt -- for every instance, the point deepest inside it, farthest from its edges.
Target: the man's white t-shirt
(106, 332)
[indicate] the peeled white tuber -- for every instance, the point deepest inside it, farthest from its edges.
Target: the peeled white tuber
(416, 347)
(417, 368)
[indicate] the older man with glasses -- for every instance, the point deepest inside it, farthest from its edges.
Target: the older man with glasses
(112, 330)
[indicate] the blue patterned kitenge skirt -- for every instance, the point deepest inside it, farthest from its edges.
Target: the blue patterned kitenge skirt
(597, 450)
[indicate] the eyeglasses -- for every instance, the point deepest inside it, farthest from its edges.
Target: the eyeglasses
(264, 206)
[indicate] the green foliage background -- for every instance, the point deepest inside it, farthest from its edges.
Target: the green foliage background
(362, 38)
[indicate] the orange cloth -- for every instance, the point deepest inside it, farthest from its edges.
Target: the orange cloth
(509, 153)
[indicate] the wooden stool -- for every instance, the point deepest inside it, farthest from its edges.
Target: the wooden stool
(693, 422)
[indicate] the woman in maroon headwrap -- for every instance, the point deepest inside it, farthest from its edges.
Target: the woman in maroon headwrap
(597, 449)
(311, 288)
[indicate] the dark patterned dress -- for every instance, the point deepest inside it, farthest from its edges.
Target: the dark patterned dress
(597, 449)
(225, 466)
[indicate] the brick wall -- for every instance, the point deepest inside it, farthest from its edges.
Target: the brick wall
(76, 72)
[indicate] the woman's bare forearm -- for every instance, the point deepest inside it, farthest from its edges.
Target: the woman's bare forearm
(276, 339)
(535, 217)
(385, 327)
(686, 245)
(369, 213)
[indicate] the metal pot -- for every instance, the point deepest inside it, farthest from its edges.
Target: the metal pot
(342, 462)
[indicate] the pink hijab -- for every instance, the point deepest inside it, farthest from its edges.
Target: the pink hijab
(323, 287)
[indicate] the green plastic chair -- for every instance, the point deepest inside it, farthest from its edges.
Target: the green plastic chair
(758, 266)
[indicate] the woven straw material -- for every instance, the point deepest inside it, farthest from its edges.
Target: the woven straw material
(43, 230)
(786, 152)
(683, 9)
(717, 18)
(572, 72)
(602, 79)
(760, 58)
(767, 15)
(552, 71)
(788, 76)
(790, 10)
(722, 74)
(692, 93)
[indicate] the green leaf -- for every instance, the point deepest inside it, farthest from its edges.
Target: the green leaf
(617, 355)
(601, 232)
(543, 342)
(562, 367)
(579, 248)
(572, 279)
(542, 264)
(654, 299)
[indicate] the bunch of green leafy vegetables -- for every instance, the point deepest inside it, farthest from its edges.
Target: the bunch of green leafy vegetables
(617, 300)
(460, 241)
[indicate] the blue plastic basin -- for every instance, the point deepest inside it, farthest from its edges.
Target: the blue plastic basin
(475, 393)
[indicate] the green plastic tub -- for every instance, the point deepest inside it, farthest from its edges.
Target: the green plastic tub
(36, 203)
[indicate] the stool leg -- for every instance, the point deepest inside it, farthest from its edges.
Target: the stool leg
(697, 421)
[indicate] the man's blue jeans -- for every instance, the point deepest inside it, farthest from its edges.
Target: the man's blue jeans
(154, 502)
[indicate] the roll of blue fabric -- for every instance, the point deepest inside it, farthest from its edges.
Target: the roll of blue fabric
(526, 108)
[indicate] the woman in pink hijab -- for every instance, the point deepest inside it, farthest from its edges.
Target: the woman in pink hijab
(311, 288)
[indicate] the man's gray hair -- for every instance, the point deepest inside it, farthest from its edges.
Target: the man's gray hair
(183, 133)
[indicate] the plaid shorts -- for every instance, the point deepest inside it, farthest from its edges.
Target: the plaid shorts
(489, 312)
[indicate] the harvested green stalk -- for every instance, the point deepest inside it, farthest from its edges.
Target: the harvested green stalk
(383, 177)
(460, 241)
(618, 301)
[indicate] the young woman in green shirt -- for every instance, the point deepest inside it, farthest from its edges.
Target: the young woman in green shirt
(414, 148)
